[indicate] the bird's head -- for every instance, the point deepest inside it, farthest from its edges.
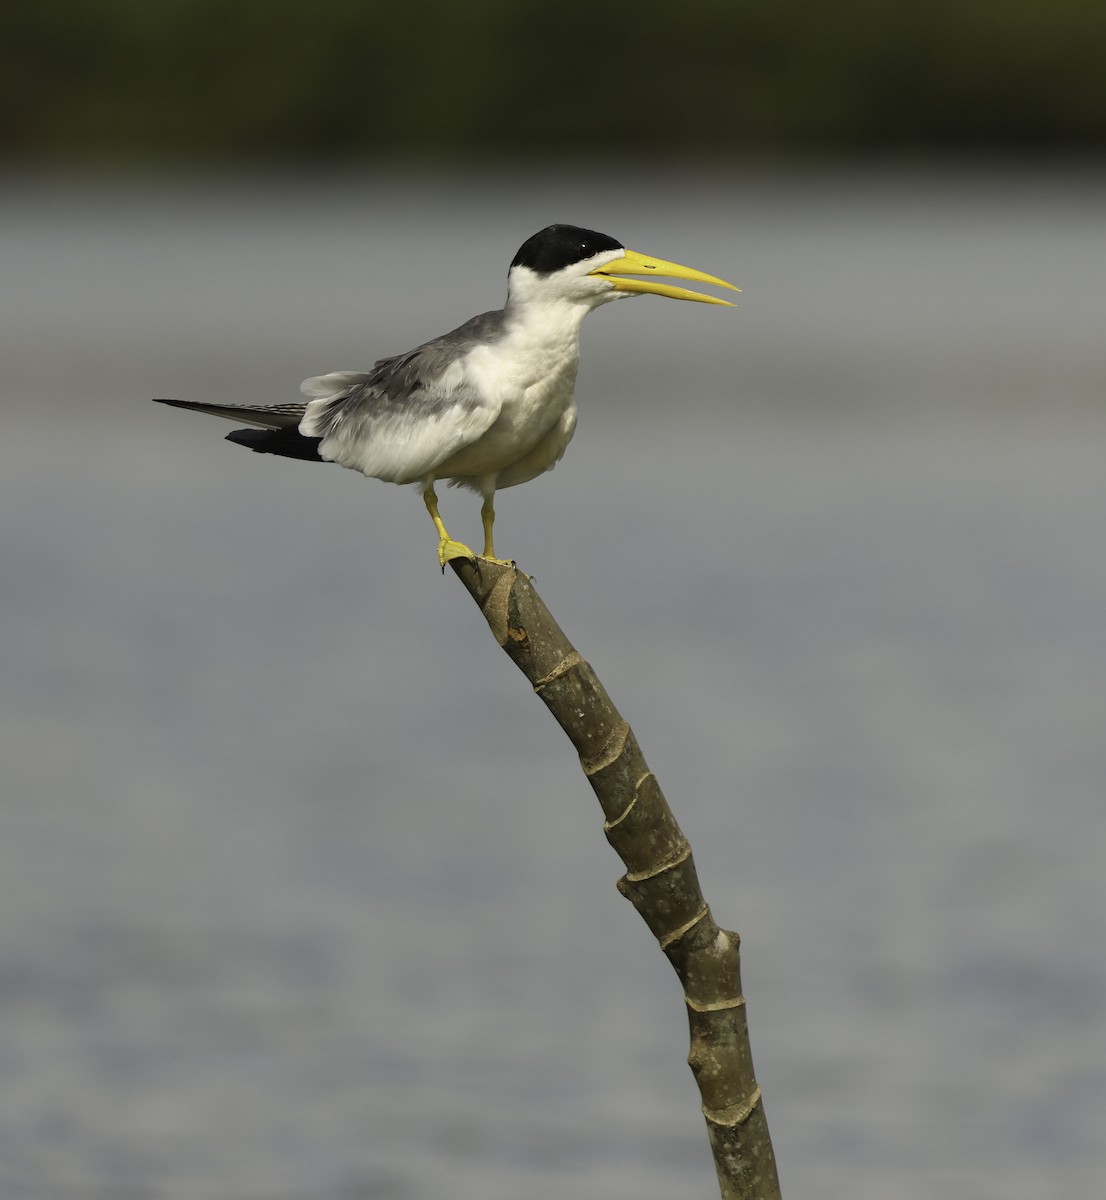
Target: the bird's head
(579, 266)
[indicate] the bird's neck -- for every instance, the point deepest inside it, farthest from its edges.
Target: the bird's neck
(547, 324)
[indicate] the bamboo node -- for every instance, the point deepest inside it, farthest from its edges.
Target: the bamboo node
(574, 659)
(608, 753)
(735, 1114)
(737, 1001)
(676, 934)
(680, 855)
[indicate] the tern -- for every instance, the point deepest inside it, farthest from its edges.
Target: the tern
(488, 406)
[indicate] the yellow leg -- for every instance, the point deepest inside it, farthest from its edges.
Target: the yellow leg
(447, 547)
(487, 516)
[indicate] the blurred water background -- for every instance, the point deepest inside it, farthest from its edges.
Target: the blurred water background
(302, 895)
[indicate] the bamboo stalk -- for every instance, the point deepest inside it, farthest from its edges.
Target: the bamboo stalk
(660, 879)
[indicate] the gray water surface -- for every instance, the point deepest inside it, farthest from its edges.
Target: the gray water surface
(303, 894)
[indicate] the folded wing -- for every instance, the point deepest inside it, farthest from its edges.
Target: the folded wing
(407, 415)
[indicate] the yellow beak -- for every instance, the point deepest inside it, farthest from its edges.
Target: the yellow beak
(632, 263)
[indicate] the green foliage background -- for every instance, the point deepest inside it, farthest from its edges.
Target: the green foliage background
(338, 79)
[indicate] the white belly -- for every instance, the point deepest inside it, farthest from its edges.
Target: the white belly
(536, 418)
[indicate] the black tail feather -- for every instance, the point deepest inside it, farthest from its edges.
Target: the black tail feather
(288, 443)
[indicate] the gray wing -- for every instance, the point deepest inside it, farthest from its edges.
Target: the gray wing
(409, 413)
(265, 416)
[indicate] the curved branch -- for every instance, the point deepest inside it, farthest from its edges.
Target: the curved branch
(660, 879)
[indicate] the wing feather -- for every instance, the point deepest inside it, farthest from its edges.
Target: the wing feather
(409, 413)
(264, 416)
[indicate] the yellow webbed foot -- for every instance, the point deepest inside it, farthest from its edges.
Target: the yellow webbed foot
(448, 550)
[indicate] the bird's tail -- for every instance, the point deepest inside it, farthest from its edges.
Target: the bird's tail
(275, 427)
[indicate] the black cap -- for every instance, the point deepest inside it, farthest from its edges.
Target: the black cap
(559, 246)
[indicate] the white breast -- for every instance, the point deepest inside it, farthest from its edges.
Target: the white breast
(531, 373)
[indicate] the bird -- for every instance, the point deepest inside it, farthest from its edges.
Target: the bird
(487, 406)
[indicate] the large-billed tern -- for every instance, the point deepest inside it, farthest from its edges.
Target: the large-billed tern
(491, 404)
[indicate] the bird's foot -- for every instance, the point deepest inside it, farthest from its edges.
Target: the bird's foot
(448, 550)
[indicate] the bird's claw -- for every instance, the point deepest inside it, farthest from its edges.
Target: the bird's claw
(448, 550)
